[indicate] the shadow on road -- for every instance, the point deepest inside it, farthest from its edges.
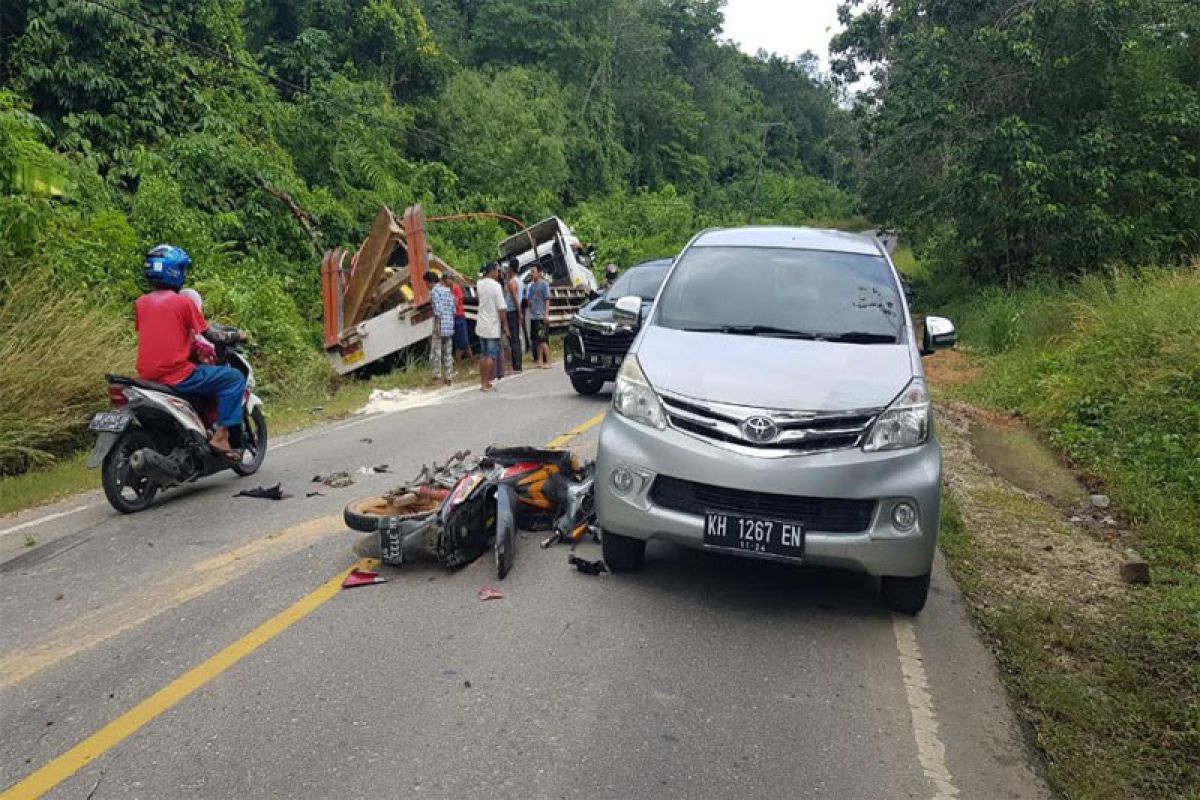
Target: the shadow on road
(716, 581)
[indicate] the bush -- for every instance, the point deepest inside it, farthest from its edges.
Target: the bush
(55, 347)
(1110, 370)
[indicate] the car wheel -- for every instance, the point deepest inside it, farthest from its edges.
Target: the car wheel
(906, 595)
(586, 384)
(622, 553)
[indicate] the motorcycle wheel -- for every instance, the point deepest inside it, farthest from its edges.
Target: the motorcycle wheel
(125, 491)
(254, 437)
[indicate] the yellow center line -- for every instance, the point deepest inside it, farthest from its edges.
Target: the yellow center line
(124, 726)
(64, 766)
(559, 441)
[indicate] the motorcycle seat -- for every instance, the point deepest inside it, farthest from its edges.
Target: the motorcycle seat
(122, 380)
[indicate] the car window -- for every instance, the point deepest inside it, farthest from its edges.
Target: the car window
(641, 281)
(768, 291)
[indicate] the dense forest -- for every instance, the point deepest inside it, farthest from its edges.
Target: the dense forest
(124, 123)
(1007, 139)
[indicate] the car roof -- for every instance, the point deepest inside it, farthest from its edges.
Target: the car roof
(790, 238)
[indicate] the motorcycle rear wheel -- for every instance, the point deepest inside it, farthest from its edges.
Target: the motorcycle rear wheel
(125, 491)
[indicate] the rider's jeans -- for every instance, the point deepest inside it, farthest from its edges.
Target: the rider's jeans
(224, 382)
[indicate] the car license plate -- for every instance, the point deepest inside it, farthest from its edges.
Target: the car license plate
(353, 356)
(604, 360)
(110, 422)
(754, 535)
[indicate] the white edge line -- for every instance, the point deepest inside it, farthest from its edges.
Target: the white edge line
(931, 751)
(41, 520)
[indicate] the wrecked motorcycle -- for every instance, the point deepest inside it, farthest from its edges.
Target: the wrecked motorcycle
(454, 513)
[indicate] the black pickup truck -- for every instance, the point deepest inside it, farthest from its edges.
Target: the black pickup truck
(595, 345)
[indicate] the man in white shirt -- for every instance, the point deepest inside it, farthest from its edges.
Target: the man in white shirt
(490, 324)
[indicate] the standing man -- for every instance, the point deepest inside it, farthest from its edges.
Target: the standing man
(441, 344)
(462, 344)
(490, 324)
(512, 301)
(539, 326)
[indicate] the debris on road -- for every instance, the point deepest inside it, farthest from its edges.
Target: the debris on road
(313, 494)
(272, 493)
(362, 577)
(455, 512)
(367, 440)
(334, 480)
(378, 469)
(587, 567)
(488, 593)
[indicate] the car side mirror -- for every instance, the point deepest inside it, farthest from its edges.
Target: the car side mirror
(939, 334)
(628, 311)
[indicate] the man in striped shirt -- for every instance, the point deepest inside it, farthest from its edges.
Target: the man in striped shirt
(441, 344)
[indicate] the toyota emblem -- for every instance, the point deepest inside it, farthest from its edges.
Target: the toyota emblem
(760, 429)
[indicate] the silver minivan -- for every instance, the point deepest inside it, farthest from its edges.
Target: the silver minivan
(774, 406)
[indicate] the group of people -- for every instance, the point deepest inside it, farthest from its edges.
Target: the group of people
(503, 303)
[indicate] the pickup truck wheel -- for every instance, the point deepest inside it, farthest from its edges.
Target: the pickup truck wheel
(622, 553)
(586, 384)
(906, 595)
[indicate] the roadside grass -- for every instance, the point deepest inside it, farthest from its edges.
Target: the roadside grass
(1107, 370)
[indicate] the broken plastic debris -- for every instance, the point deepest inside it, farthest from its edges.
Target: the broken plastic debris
(272, 493)
(334, 480)
(488, 593)
(587, 567)
(362, 577)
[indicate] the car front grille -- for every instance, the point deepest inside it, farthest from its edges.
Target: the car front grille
(797, 433)
(828, 515)
(609, 344)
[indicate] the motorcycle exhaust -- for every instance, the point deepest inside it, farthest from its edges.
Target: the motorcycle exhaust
(151, 464)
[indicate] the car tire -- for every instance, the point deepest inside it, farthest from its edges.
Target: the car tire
(586, 384)
(905, 595)
(622, 553)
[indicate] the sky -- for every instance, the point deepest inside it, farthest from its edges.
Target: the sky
(786, 27)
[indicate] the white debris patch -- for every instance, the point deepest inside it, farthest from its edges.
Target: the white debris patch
(389, 401)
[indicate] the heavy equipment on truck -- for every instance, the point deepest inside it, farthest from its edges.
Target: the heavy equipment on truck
(376, 306)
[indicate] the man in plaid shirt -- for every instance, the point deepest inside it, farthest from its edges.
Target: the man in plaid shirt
(441, 344)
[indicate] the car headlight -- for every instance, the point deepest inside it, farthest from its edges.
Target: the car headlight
(905, 423)
(635, 399)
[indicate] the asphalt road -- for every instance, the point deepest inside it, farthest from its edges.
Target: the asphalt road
(201, 650)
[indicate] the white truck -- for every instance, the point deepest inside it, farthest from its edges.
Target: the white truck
(376, 306)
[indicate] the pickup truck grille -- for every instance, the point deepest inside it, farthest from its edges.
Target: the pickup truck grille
(797, 433)
(827, 515)
(611, 344)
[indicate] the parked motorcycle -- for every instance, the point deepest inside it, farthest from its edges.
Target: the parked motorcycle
(154, 438)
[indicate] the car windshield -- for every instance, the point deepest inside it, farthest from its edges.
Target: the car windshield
(803, 294)
(640, 281)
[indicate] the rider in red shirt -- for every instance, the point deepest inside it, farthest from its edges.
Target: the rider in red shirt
(166, 324)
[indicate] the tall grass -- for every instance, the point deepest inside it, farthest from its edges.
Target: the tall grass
(1109, 370)
(55, 348)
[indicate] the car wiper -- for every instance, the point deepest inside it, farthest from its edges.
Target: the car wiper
(860, 337)
(767, 330)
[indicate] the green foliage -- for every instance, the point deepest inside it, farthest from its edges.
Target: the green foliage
(179, 121)
(1108, 368)
(1032, 139)
(55, 346)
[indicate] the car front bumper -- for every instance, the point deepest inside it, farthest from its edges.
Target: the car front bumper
(887, 478)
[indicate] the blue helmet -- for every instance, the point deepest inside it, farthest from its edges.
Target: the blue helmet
(167, 265)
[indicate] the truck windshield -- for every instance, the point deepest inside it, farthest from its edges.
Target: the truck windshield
(640, 281)
(803, 294)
